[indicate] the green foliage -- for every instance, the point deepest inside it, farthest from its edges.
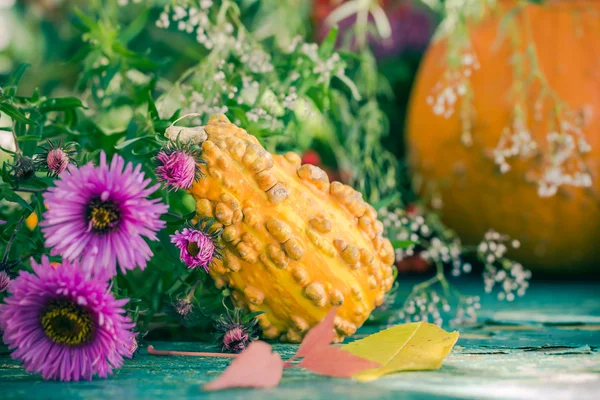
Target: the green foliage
(136, 77)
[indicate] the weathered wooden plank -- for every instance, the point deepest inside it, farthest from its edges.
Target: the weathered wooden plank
(544, 346)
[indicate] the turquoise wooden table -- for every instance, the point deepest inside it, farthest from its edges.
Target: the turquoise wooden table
(543, 346)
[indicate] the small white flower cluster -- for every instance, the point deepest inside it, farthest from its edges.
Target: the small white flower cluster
(433, 248)
(446, 253)
(396, 220)
(440, 246)
(124, 3)
(455, 84)
(515, 141)
(424, 306)
(562, 162)
(242, 77)
(509, 275)
(324, 69)
(221, 35)
(466, 310)
(289, 100)
(196, 103)
(564, 165)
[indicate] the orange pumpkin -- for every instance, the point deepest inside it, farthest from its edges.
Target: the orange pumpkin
(560, 231)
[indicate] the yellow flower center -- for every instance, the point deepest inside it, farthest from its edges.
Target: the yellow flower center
(65, 322)
(103, 215)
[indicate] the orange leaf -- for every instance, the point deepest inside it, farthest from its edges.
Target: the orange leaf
(319, 337)
(255, 367)
(321, 358)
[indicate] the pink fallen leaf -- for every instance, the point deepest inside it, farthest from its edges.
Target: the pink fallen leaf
(319, 337)
(321, 358)
(255, 367)
(333, 361)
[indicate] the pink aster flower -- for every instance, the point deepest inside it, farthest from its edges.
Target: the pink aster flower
(102, 215)
(65, 324)
(198, 247)
(178, 167)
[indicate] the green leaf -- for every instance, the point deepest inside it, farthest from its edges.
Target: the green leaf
(88, 22)
(60, 104)
(129, 142)
(6, 192)
(28, 138)
(248, 317)
(15, 113)
(7, 150)
(135, 59)
(16, 76)
(386, 201)
(402, 244)
(35, 97)
(348, 82)
(135, 27)
(328, 43)
(152, 110)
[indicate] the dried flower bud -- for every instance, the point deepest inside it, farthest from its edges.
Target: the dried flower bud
(184, 135)
(183, 308)
(23, 168)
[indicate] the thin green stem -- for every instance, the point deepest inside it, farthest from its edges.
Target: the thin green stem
(14, 134)
(12, 239)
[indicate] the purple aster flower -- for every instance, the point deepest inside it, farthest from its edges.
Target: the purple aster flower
(198, 247)
(101, 215)
(65, 324)
(179, 167)
(55, 158)
(236, 331)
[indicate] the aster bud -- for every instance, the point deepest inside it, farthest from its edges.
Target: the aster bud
(55, 158)
(178, 166)
(235, 340)
(236, 331)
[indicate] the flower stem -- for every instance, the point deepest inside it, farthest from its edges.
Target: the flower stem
(154, 352)
(14, 134)
(12, 239)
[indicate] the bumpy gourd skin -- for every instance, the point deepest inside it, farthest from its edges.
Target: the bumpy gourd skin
(295, 245)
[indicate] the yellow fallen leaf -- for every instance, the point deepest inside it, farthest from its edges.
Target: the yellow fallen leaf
(416, 346)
